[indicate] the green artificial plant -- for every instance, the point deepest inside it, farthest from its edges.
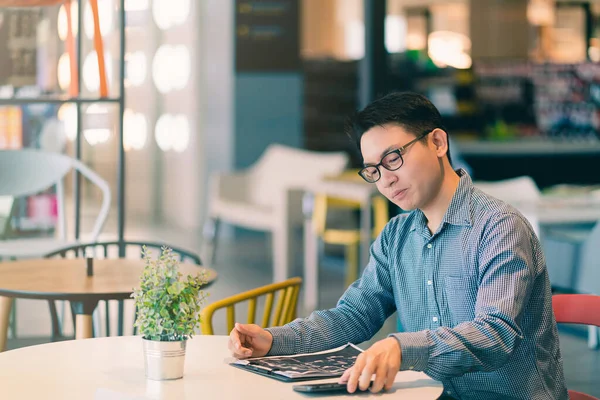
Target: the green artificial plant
(168, 307)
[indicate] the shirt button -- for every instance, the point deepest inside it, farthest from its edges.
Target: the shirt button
(429, 282)
(429, 246)
(411, 367)
(435, 319)
(449, 392)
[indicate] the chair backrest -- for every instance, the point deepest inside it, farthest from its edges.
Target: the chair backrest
(285, 309)
(589, 263)
(573, 395)
(517, 190)
(582, 309)
(111, 250)
(28, 171)
(282, 166)
(322, 204)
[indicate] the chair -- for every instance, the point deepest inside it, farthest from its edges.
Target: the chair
(586, 273)
(111, 249)
(28, 172)
(350, 238)
(268, 197)
(583, 309)
(285, 309)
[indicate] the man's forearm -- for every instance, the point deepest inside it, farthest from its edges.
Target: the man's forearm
(324, 330)
(448, 352)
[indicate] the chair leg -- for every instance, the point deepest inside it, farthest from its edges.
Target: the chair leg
(211, 233)
(121, 310)
(6, 304)
(593, 337)
(56, 329)
(107, 317)
(73, 317)
(351, 263)
(13, 320)
(135, 329)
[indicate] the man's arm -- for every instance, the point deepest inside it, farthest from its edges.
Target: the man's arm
(506, 277)
(359, 314)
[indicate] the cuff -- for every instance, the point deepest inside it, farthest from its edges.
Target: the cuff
(414, 347)
(284, 340)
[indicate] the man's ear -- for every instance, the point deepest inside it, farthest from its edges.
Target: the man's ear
(439, 138)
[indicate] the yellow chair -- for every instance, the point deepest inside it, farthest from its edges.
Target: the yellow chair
(350, 238)
(285, 309)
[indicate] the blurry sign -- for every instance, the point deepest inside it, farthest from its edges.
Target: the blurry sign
(267, 35)
(18, 46)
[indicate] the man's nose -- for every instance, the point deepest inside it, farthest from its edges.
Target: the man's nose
(388, 178)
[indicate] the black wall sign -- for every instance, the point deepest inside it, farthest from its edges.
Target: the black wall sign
(267, 35)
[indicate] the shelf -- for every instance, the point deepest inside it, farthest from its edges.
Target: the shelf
(55, 100)
(527, 147)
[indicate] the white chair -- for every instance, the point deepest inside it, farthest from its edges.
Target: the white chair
(268, 197)
(28, 172)
(521, 192)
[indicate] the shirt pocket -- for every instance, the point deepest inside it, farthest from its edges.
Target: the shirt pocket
(461, 295)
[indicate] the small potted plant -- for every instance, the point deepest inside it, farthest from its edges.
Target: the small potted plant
(168, 308)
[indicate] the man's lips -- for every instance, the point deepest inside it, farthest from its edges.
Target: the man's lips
(399, 194)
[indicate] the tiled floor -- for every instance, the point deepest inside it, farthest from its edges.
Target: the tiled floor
(245, 263)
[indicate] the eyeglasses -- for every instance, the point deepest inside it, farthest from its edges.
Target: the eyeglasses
(391, 161)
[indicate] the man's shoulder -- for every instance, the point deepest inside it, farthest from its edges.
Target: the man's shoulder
(487, 210)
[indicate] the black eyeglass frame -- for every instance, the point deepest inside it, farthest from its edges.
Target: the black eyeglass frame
(397, 151)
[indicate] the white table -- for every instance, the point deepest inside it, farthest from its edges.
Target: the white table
(551, 210)
(113, 368)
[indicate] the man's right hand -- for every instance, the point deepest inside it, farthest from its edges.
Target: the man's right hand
(249, 340)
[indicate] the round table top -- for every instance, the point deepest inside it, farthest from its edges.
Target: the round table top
(113, 368)
(66, 279)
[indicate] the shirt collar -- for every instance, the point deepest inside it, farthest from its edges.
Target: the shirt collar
(459, 210)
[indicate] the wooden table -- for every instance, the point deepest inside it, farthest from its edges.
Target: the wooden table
(66, 279)
(113, 368)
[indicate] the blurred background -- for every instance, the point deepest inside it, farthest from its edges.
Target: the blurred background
(186, 91)
(209, 84)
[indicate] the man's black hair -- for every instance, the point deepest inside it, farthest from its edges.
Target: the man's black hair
(411, 111)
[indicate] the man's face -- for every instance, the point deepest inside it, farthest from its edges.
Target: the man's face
(418, 181)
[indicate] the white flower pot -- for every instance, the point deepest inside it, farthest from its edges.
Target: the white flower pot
(164, 360)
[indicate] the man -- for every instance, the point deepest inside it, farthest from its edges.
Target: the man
(464, 270)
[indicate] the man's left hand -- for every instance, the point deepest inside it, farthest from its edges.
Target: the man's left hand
(382, 359)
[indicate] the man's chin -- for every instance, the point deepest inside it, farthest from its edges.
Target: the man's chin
(405, 206)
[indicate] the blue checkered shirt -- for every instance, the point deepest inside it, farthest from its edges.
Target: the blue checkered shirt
(473, 299)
